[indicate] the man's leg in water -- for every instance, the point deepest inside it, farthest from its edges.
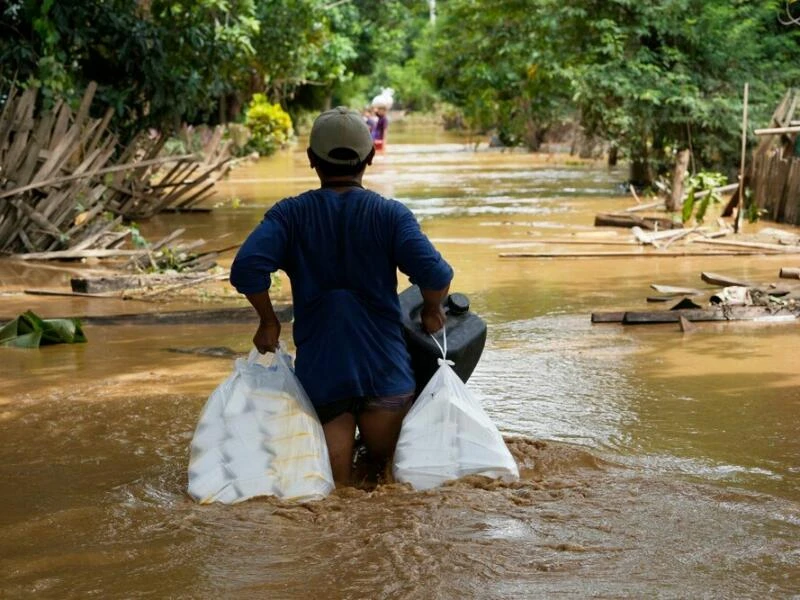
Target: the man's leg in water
(380, 430)
(340, 434)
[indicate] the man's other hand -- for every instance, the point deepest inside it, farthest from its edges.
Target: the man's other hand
(433, 319)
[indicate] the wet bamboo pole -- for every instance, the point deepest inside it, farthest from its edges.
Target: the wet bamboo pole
(654, 254)
(740, 201)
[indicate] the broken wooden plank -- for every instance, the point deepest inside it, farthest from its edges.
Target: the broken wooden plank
(723, 280)
(44, 292)
(641, 254)
(564, 242)
(6, 114)
(682, 234)
(686, 324)
(40, 139)
(238, 314)
(190, 209)
(91, 239)
(94, 173)
(99, 285)
(180, 285)
(671, 290)
(773, 248)
(776, 130)
(608, 317)
(61, 268)
(72, 254)
(654, 237)
(728, 313)
(648, 206)
(629, 220)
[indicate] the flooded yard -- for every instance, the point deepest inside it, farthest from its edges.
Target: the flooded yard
(654, 463)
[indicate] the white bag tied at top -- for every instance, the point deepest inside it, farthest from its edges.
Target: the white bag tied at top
(259, 435)
(447, 435)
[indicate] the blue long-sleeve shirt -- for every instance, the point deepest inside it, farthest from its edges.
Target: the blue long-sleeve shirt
(341, 252)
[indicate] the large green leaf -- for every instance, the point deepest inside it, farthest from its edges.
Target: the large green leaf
(9, 330)
(688, 207)
(29, 330)
(28, 340)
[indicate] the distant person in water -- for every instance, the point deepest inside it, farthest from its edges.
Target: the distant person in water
(381, 124)
(370, 119)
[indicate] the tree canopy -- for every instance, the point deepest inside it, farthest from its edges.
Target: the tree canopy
(648, 78)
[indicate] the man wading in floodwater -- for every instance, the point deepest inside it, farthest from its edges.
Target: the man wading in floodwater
(341, 246)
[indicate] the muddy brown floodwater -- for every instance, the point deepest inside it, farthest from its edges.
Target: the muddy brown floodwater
(655, 464)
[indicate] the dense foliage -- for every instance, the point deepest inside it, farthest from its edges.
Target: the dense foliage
(162, 62)
(647, 78)
(157, 63)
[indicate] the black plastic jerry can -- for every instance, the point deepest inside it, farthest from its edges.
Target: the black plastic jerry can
(466, 336)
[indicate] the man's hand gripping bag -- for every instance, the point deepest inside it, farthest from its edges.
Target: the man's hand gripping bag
(259, 435)
(447, 435)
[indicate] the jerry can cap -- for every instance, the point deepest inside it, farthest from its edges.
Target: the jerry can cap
(457, 303)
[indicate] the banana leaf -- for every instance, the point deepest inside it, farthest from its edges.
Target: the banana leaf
(29, 330)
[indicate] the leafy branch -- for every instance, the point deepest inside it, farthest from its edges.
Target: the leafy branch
(701, 190)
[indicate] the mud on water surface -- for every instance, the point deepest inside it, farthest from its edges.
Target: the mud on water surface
(653, 463)
(100, 509)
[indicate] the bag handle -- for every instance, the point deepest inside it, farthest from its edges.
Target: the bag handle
(280, 355)
(443, 350)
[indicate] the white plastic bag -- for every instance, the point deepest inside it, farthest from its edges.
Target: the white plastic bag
(385, 98)
(447, 435)
(259, 435)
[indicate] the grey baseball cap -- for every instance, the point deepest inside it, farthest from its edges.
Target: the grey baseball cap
(337, 130)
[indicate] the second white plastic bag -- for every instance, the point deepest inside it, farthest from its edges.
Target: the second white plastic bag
(259, 435)
(447, 435)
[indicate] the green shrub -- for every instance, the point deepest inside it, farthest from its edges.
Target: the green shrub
(270, 126)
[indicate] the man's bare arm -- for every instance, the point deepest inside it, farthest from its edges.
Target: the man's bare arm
(433, 316)
(269, 328)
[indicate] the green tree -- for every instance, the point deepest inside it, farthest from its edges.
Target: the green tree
(370, 44)
(657, 77)
(299, 43)
(648, 77)
(500, 62)
(157, 63)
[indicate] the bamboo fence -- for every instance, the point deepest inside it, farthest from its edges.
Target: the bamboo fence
(776, 165)
(63, 186)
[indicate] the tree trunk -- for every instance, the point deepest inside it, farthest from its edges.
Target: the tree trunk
(589, 146)
(534, 136)
(613, 155)
(640, 172)
(675, 199)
